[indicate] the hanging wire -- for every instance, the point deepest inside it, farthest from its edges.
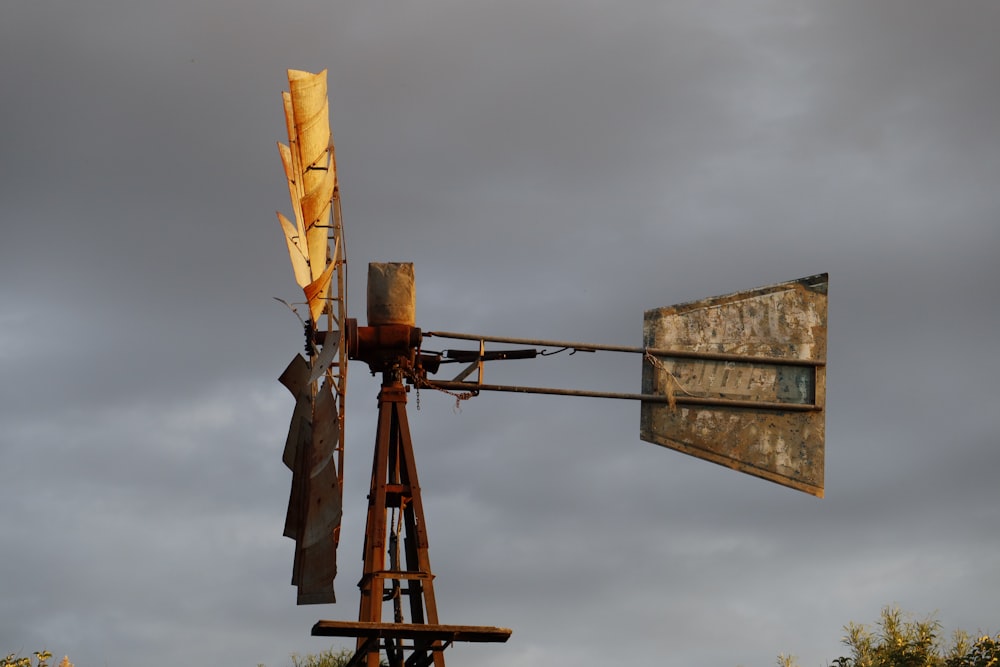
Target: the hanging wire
(673, 384)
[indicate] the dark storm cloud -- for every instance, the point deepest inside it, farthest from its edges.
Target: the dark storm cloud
(552, 170)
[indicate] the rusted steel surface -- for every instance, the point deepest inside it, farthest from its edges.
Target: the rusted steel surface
(399, 538)
(784, 323)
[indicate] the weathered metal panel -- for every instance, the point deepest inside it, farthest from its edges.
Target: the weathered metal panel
(784, 321)
(314, 503)
(316, 562)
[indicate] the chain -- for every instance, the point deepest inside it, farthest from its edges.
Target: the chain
(419, 381)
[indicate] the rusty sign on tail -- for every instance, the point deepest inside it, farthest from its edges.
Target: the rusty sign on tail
(758, 360)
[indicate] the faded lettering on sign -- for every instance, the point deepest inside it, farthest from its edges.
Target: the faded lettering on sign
(739, 380)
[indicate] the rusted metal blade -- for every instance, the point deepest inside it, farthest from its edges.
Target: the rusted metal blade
(314, 503)
(296, 379)
(316, 553)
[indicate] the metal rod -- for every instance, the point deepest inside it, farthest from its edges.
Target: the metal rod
(650, 398)
(655, 351)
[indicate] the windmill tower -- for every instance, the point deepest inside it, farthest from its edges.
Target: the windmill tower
(738, 380)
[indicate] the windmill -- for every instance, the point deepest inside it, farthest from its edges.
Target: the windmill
(738, 380)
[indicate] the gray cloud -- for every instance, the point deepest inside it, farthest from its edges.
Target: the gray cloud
(552, 170)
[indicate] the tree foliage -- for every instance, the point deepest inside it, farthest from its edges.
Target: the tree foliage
(41, 660)
(328, 658)
(332, 657)
(899, 640)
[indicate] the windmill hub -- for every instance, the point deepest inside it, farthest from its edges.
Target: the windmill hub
(383, 347)
(390, 341)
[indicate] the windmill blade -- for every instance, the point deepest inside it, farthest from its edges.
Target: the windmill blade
(296, 379)
(316, 213)
(315, 502)
(325, 359)
(293, 180)
(312, 180)
(316, 545)
(311, 114)
(311, 145)
(313, 446)
(296, 252)
(317, 293)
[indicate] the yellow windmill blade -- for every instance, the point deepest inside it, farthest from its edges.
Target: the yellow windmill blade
(316, 213)
(318, 291)
(292, 177)
(308, 163)
(311, 117)
(310, 122)
(296, 252)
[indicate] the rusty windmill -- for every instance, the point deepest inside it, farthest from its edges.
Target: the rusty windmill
(738, 380)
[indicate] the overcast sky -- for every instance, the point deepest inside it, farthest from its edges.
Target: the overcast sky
(552, 169)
